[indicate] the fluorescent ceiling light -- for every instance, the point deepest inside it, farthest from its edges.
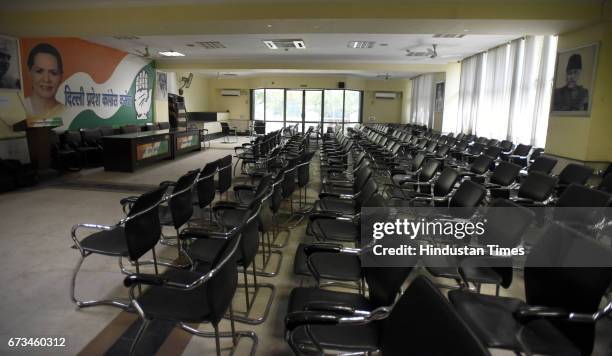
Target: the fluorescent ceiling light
(172, 54)
(299, 44)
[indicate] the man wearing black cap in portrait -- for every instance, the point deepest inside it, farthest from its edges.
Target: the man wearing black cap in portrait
(572, 97)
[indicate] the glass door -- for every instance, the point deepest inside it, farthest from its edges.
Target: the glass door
(294, 108)
(313, 108)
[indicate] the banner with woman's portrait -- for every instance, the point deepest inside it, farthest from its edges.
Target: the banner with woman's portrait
(85, 84)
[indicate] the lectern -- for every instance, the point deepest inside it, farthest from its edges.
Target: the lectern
(38, 134)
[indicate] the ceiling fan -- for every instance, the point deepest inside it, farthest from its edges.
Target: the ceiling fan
(143, 53)
(429, 52)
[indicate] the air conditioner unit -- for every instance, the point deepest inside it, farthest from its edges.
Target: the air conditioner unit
(230, 92)
(385, 95)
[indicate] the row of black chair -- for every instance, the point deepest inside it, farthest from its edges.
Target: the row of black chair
(562, 304)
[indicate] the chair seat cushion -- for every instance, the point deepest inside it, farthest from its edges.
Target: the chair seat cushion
(335, 230)
(174, 304)
(493, 321)
(335, 266)
(107, 242)
(300, 296)
(231, 217)
(245, 196)
(206, 250)
(344, 206)
(336, 189)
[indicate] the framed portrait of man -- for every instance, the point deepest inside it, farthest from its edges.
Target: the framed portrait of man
(9, 64)
(574, 81)
(439, 98)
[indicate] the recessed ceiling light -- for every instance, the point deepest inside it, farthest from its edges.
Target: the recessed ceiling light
(270, 44)
(466, 30)
(171, 54)
(269, 26)
(360, 44)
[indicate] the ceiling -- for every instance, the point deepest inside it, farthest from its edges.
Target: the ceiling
(325, 35)
(328, 47)
(364, 74)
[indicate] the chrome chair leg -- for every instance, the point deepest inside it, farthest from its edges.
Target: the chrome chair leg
(257, 286)
(90, 303)
(237, 335)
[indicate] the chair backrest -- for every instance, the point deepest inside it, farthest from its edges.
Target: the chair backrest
(442, 151)
(445, 182)
(369, 188)
(250, 233)
(72, 139)
(590, 206)
(505, 145)
(163, 125)
(522, 150)
(143, 230)
(505, 173)
(224, 127)
(423, 322)
(537, 186)
(493, 152)
(180, 203)
(205, 185)
(303, 172)
(537, 152)
(277, 193)
(481, 164)
(575, 173)
(468, 195)
(418, 160)
(221, 287)
(428, 170)
(606, 183)
(542, 164)
(554, 278)
(91, 137)
(225, 173)
(288, 184)
(384, 283)
(506, 223)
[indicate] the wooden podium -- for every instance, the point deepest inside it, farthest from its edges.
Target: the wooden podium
(38, 135)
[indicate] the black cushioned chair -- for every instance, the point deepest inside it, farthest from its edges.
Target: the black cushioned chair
(384, 286)
(204, 194)
(564, 283)
(141, 223)
(573, 174)
(163, 125)
(542, 164)
(201, 295)
(411, 326)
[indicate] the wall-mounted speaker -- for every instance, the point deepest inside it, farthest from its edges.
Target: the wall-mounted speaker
(341, 85)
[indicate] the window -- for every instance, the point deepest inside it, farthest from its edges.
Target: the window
(284, 107)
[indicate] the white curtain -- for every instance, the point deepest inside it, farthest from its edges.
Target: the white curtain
(470, 90)
(529, 111)
(494, 107)
(422, 100)
(505, 93)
